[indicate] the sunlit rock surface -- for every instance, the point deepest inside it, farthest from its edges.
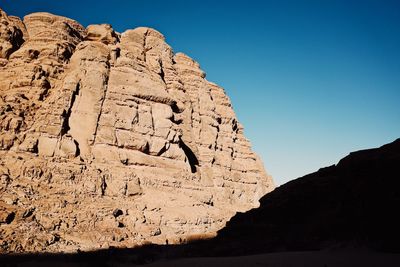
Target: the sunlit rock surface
(110, 139)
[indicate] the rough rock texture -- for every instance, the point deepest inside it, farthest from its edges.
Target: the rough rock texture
(111, 139)
(11, 34)
(342, 215)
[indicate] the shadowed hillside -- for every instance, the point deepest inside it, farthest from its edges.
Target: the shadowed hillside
(353, 204)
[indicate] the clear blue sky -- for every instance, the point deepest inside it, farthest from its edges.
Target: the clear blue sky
(310, 80)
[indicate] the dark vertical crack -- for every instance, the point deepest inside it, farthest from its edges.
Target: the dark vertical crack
(115, 54)
(67, 114)
(193, 161)
(103, 185)
(234, 125)
(78, 150)
(162, 74)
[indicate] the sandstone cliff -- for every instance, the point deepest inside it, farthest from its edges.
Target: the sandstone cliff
(111, 139)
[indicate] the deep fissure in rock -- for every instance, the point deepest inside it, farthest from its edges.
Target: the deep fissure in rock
(65, 127)
(78, 150)
(162, 151)
(193, 161)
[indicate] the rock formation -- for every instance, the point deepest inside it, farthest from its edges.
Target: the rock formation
(111, 139)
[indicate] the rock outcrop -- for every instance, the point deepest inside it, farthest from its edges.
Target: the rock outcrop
(111, 139)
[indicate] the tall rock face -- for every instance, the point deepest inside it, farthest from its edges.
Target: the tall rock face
(111, 139)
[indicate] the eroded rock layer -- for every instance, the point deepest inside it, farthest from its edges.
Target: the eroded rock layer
(111, 139)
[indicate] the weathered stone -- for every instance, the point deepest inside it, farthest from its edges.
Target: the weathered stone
(47, 146)
(92, 121)
(68, 148)
(102, 33)
(11, 36)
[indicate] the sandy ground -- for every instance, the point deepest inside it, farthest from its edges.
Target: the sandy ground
(286, 259)
(291, 259)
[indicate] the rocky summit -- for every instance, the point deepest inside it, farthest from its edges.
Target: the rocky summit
(113, 140)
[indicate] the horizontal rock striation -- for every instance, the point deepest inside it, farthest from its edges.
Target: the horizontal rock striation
(111, 139)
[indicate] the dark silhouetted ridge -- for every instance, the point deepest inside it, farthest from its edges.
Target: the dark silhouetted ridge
(351, 204)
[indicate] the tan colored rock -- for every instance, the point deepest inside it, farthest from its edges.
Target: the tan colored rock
(47, 146)
(94, 123)
(11, 35)
(102, 33)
